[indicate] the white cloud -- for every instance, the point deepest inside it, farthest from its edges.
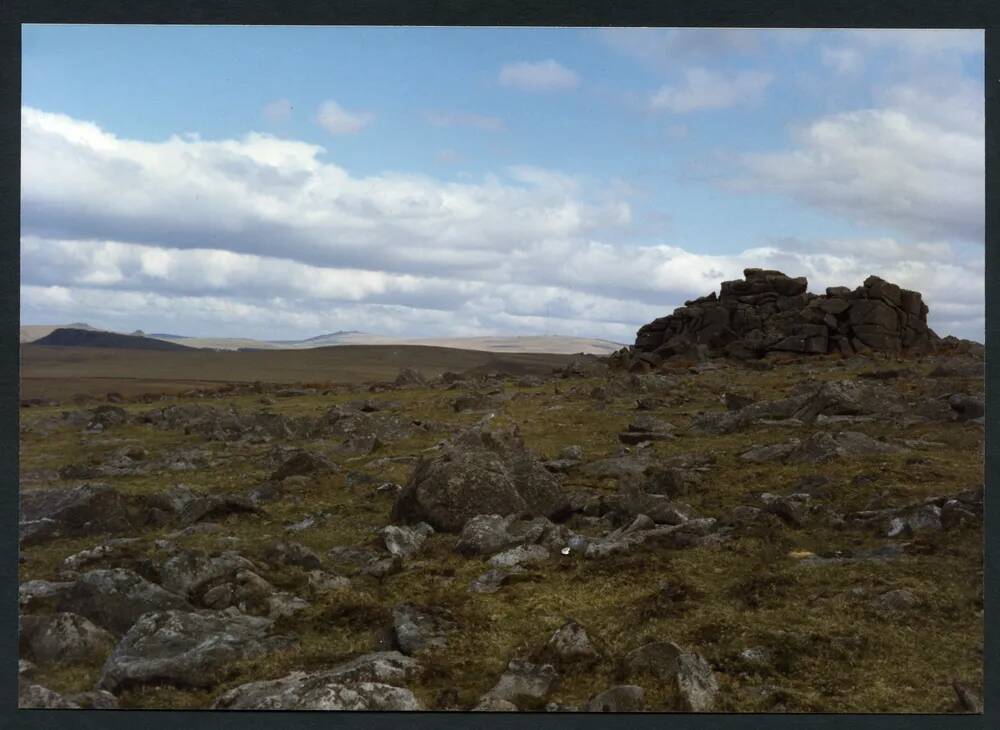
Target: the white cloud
(278, 110)
(337, 120)
(547, 75)
(702, 89)
(459, 119)
(916, 165)
(274, 241)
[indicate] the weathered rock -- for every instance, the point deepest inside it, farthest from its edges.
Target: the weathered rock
(292, 553)
(520, 556)
(419, 628)
(189, 572)
(62, 637)
(897, 600)
(409, 377)
(41, 596)
(114, 599)
(570, 646)
(770, 312)
(623, 698)
(485, 470)
(185, 649)
(35, 696)
(488, 534)
(88, 509)
(405, 542)
(696, 683)
(302, 462)
(525, 684)
(658, 659)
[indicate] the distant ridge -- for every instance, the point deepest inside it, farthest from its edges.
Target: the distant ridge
(71, 337)
(32, 332)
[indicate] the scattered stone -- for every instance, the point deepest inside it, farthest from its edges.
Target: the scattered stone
(897, 600)
(696, 683)
(570, 646)
(62, 637)
(525, 684)
(292, 553)
(658, 659)
(34, 696)
(419, 628)
(623, 698)
(405, 542)
(520, 556)
(302, 462)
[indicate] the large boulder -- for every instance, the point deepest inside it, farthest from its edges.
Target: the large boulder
(87, 509)
(116, 598)
(484, 470)
(185, 649)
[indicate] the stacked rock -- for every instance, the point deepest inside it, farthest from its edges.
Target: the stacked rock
(768, 311)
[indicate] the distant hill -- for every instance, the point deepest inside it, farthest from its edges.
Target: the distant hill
(71, 337)
(542, 344)
(32, 332)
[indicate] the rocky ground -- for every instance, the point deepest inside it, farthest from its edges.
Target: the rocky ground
(795, 534)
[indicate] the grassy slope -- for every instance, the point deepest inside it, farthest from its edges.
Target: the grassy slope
(834, 652)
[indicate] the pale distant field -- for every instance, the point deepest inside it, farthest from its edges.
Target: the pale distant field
(60, 372)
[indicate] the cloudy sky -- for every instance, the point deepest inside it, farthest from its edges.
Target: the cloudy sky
(285, 182)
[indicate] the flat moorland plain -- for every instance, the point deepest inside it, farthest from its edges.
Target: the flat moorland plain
(811, 603)
(60, 372)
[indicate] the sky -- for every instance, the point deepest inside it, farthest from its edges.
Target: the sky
(282, 182)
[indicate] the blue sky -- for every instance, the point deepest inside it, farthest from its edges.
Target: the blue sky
(486, 180)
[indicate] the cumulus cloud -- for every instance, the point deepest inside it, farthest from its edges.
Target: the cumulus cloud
(275, 241)
(482, 122)
(336, 120)
(278, 110)
(547, 75)
(916, 165)
(702, 89)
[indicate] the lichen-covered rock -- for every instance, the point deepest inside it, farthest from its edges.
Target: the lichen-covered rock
(404, 541)
(570, 646)
(88, 509)
(62, 637)
(35, 696)
(525, 684)
(418, 628)
(484, 470)
(185, 649)
(114, 599)
(696, 683)
(365, 683)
